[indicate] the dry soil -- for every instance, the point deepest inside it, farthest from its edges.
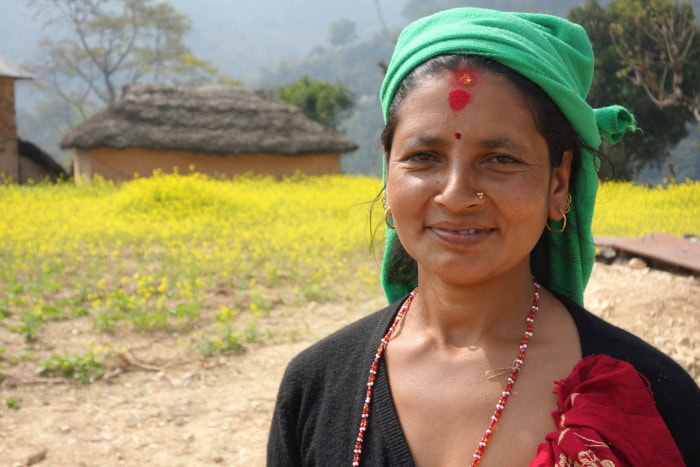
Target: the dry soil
(161, 406)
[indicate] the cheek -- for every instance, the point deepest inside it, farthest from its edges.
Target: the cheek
(525, 203)
(397, 190)
(406, 194)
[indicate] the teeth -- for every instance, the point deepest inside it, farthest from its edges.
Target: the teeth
(467, 232)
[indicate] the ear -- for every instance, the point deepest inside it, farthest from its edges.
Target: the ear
(559, 186)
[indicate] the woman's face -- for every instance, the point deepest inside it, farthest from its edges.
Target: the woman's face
(458, 134)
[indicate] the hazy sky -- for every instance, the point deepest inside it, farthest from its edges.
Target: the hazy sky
(272, 29)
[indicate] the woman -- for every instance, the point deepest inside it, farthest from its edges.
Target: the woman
(485, 355)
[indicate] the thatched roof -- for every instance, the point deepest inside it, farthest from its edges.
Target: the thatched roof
(208, 119)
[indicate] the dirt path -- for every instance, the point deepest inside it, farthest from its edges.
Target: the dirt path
(217, 412)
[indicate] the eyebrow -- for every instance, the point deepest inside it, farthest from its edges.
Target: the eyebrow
(493, 143)
(423, 140)
(503, 143)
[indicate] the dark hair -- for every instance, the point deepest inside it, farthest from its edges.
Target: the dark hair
(548, 118)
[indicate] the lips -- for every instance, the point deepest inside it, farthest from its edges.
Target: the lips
(458, 227)
(460, 233)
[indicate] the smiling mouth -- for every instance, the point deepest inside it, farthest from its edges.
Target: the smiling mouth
(461, 235)
(455, 231)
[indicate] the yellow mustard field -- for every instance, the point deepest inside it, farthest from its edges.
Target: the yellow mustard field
(155, 253)
(627, 210)
(166, 252)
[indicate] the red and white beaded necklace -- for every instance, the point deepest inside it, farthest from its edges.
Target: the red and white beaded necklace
(500, 406)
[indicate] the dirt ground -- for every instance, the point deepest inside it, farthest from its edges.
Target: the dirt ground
(216, 411)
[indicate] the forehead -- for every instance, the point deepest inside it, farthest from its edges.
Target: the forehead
(495, 110)
(470, 78)
(465, 92)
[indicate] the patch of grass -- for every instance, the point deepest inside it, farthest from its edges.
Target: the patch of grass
(260, 305)
(83, 368)
(230, 342)
(12, 402)
(18, 357)
(30, 325)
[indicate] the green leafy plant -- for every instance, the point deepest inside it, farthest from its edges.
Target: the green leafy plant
(82, 368)
(29, 327)
(231, 342)
(12, 402)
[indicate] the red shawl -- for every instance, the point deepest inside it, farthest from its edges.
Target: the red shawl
(606, 417)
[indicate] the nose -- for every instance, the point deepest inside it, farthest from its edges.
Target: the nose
(458, 189)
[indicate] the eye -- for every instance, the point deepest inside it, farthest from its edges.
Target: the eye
(502, 159)
(421, 157)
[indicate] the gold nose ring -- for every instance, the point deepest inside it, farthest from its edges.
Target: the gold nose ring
(480, 194)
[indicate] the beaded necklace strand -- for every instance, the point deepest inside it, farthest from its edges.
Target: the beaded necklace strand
(500, 406)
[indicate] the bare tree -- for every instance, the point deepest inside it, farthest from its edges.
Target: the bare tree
(99, 46)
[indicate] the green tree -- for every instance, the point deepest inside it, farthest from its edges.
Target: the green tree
(355, 66)
(320, 100)
(96, 47)
(658, 44)
(342, 32)
(662, 129)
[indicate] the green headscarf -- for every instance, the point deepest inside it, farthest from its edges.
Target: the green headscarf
(556, 55)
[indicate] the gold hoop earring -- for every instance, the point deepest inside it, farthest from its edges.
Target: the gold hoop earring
(384, 203)
(568, 205)
(387, 216)
(563, 226)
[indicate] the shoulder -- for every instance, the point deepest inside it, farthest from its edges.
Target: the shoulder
(347, 344)
(321, 392)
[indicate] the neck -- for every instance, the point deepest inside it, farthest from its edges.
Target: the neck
(471, 315)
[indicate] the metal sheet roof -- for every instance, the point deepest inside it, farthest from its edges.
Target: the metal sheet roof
(658, 247)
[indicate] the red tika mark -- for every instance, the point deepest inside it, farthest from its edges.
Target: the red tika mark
(458, 99)
(458, 135)
(466, 77)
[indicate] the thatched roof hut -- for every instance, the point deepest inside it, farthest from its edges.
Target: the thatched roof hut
(208, 119)
(220, 130)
